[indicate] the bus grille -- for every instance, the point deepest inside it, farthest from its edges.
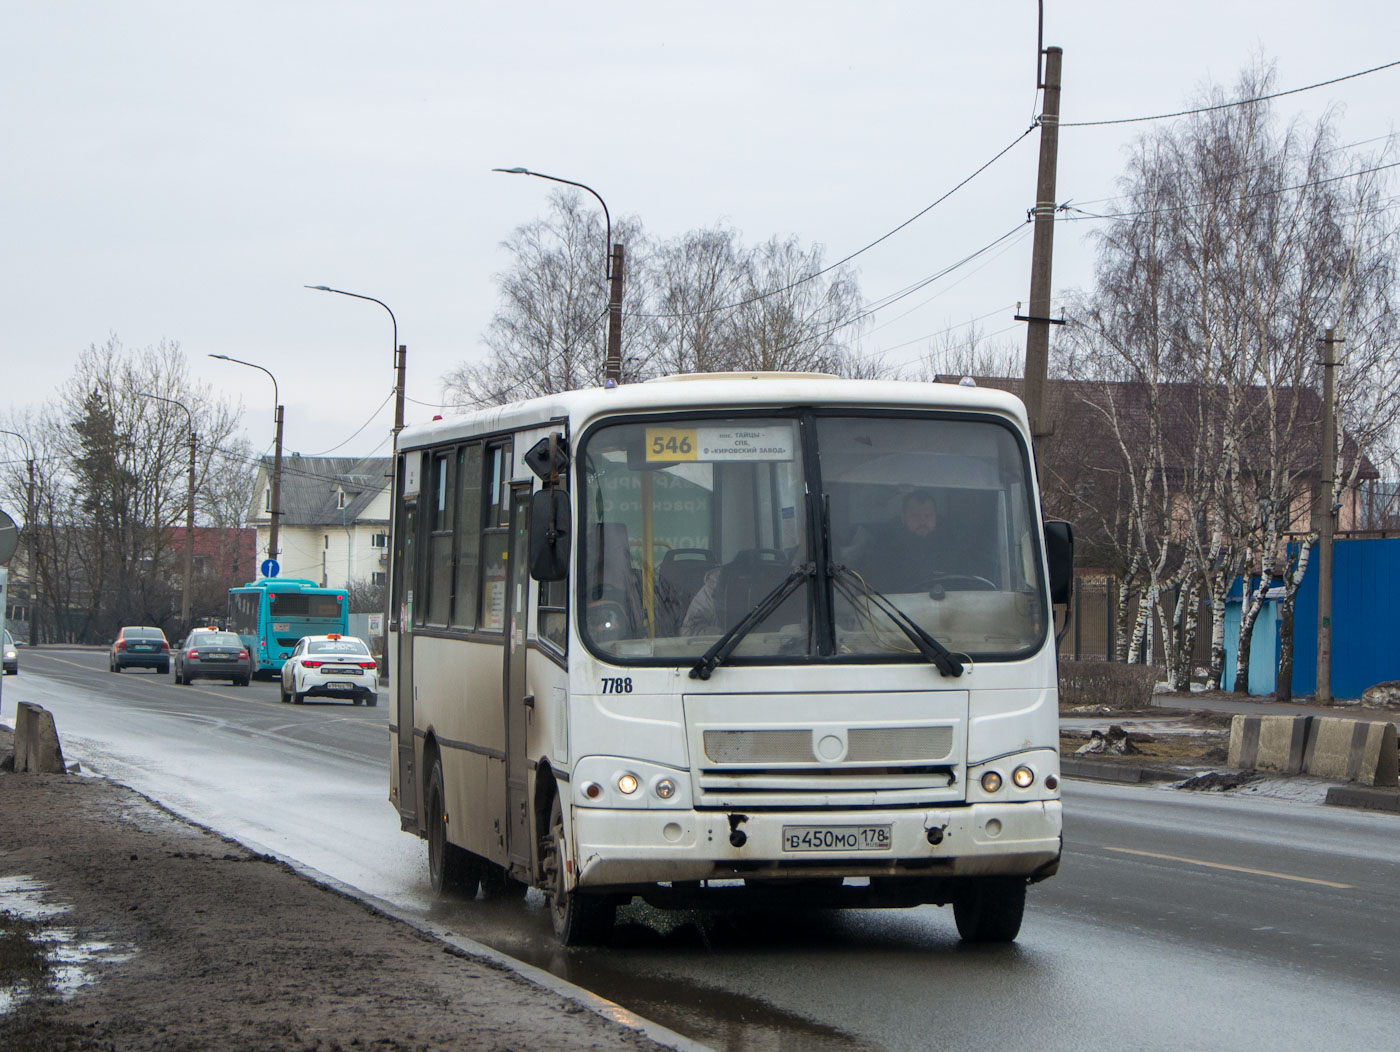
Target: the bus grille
(881, 767)
(865, 745)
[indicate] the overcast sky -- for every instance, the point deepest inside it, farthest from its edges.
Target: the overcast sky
(180, 170)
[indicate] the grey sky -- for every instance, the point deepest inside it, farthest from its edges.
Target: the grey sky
(178, 170)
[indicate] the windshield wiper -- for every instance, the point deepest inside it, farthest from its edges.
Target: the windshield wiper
(934, 651)
(722, 647)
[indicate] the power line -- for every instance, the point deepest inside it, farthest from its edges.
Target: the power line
(841, 262)
(362, 426)
(1228, 105)
(1197, 204)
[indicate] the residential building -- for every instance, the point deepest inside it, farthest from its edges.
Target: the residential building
(334, 527)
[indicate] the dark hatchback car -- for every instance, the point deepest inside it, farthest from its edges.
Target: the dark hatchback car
(212, 655)
(139, 646)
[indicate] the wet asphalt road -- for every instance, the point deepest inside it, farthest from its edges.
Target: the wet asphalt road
(1177, 920)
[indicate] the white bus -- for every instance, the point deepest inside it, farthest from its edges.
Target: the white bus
(648, 641)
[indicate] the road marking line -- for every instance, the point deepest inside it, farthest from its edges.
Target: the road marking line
(1233, 869)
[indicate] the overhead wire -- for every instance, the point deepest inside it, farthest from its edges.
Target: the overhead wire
(846, 259)
(1228, 105)
(1243, 197)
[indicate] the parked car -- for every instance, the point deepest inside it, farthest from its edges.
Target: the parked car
(212, 654)
(332, 666)
(11, 655)
(139, 646)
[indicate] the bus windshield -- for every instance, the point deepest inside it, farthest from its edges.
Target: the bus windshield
(687, 525)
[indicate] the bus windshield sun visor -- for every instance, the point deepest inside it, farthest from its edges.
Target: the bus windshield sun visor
(853, 586)
(724, 646)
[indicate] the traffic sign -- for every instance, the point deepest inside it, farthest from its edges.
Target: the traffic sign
(270, 568)
(9, 538)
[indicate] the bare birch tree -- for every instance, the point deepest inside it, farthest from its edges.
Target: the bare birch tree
(1228, 244)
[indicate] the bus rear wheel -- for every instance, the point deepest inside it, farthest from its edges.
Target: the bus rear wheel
(453, 870)
(579, 919)
(990, 909)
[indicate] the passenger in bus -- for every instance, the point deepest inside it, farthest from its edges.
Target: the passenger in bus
(731, 591)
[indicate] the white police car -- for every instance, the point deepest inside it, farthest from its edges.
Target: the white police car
(332, 666)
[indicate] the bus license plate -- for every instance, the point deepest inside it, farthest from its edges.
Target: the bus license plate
(836, 838)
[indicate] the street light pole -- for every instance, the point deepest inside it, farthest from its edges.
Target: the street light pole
(32, 527)
(275, 512)
(612, 363)
(189, 515)
(400, 354)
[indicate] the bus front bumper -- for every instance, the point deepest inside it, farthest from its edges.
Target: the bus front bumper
(633, 847)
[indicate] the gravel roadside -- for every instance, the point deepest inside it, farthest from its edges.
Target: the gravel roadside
(168, 936)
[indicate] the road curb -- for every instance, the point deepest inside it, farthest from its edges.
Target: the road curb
(1364, 797)
(1125, 774)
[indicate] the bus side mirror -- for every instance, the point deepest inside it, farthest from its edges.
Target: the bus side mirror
(1059, 552)
(549, 535)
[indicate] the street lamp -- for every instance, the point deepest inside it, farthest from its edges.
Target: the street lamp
(612, 364)
(33, 529)
(400, 354)
(189, 514)
(274, 512)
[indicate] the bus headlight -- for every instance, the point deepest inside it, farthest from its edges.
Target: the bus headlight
(627, 782)
(1023, 777)
(991, 782)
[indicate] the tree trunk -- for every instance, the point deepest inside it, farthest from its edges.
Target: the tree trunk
(1249, 613)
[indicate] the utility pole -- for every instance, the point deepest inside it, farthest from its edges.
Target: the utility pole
(1042, 251)
(275, 512)
(1327, 521)
(189, 539)
(612, 365)
(400, 361)
(29, 511)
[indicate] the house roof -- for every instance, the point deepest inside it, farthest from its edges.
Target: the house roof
(311, 488)
(1081, 431)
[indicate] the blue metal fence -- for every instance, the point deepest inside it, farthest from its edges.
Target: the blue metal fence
(1365, 618)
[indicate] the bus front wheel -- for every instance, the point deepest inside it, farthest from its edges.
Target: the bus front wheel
(990, 909)
(453, 870)
(579, 919)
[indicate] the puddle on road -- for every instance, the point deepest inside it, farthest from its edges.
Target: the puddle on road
(70, 960)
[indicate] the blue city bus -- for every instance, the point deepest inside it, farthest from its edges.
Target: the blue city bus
(272, 614)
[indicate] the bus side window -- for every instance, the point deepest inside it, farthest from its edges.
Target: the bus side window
(495, 539)
(439, 513)
(468, 530)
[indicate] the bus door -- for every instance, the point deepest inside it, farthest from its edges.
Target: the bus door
(403, 668)
(518, 839)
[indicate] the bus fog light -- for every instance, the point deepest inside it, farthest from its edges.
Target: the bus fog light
(627, 784)
(1051, 782)
(1023, 777)
(991, 782)
(665, 788)
(994, 827)
(592, 790)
